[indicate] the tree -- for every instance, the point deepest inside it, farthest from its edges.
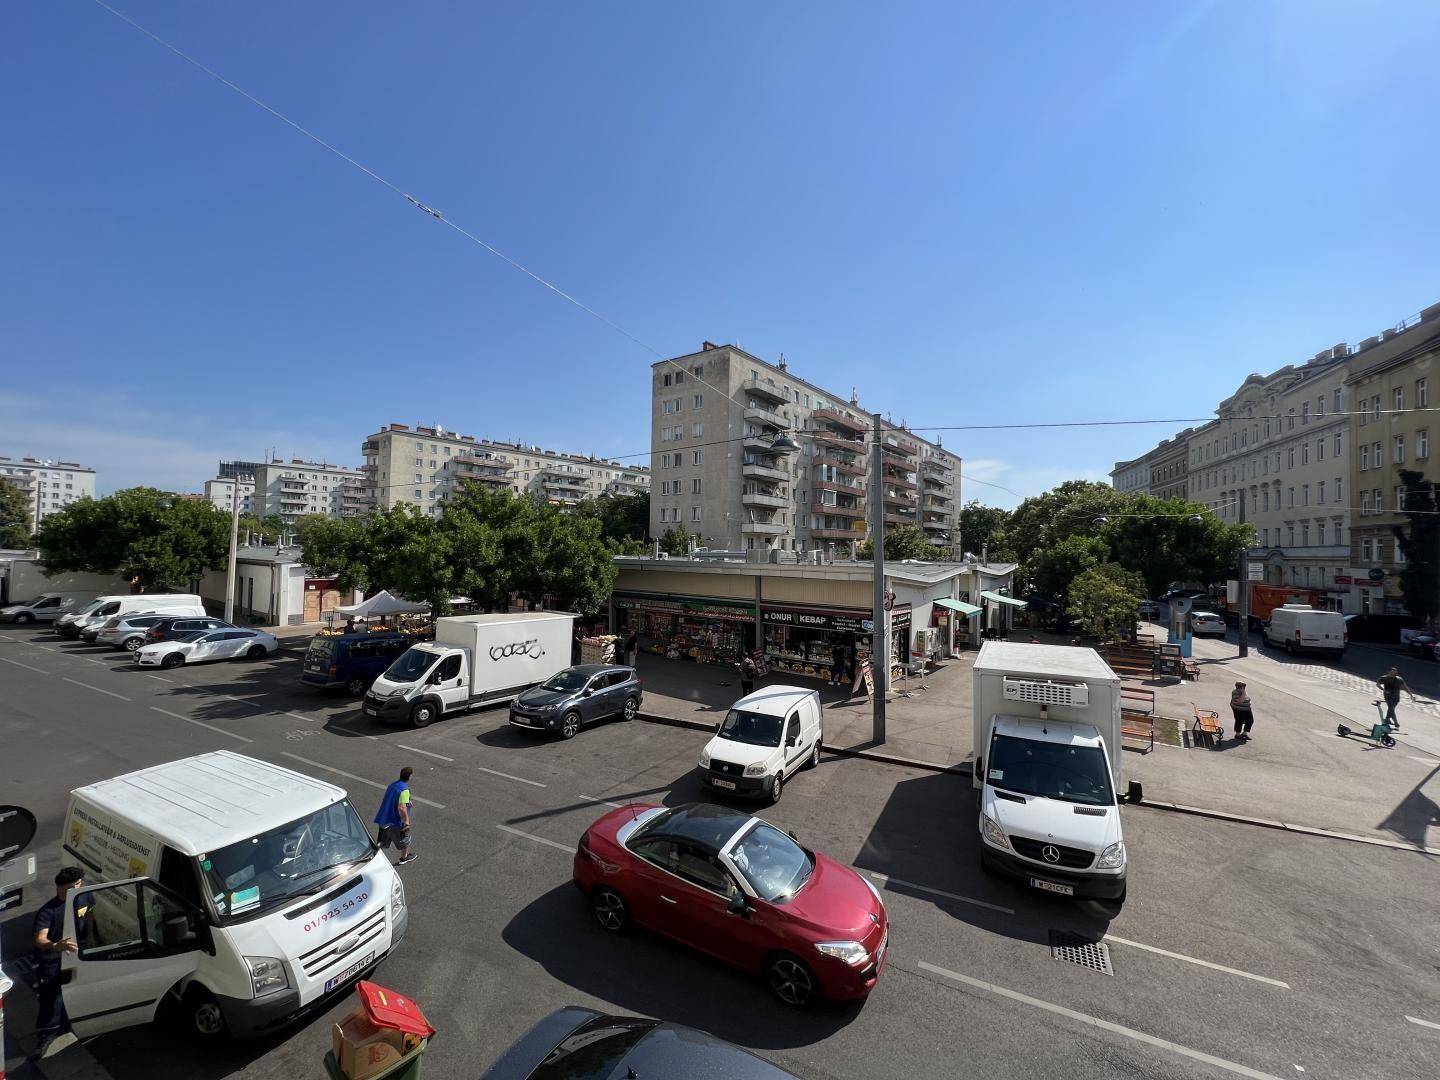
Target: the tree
(622, 517)
(1168, 541)
(1105, 600)
(1069, 509)
(904, 542)
(14, 517)
(1050, 571)
(1420, 574)
(676, 540)
(981, 528)
(265, 529)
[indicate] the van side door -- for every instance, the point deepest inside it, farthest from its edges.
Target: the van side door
(794, 747)
(134, 942)
(450, 683)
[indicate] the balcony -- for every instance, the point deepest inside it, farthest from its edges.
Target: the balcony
(899, 519)
(759, 442)
(754, 471)
(289, 483)
(839, 419)
(936, 498)
(851, 466)
(564, 488)
(899, 481)
(929, 479)
(765, 417)
(838, 534)
(369, 470)
(838, 488)
(757, 498)
(837, 511)
(287, 499)
(893, 499)
(370, 446)
(768, 391)
(762, 528)
(834, 438)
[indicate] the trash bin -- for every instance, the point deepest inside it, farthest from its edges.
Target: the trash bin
(383, 1039)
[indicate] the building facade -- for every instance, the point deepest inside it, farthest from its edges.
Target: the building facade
(48, 485)
(1170, 467)
(221, 493)
(422, 466)
(294, 489)
(1132, 477)
(715, 419)
(230, 470)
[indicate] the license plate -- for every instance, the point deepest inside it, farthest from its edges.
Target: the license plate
(522, 721)
(1050, 886)
(370, 710)
(728, 785)
(349, 973)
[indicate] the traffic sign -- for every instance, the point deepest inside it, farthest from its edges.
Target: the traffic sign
(1257, 571)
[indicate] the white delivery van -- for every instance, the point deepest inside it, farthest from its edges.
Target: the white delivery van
(1048, 767)
(107, 607)
(765, 738)
(474, 660)
(47, 607)
(223, 893)
(1302, 628)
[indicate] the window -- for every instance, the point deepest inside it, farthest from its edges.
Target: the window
(1305, 454)
(1290, 420)
(1399, 449)
(1304, 412)
(699, 401)
(1290, 458)
(1367, 549)
(697, 430)
(417, 493)
(695, 486)
(1320, 449)
(664, 487)
(1335, 403)
(419, 461)
(1422, 444)
(1378, 455)
(1305, 534)
(1375, 408)
(132, 921)
(1398, 396)
(1290, 530)
(1422, 393)
(694, 513)
(666, 379)
(1379, 500)
(1399, 553)
(1399, 497)
(1304, 494)
(679, 377)
(420, 446)
(664, 461)
(1265, 537)
(1290, 496)
(1339, 490)
(1364, 457)
(698, 370)
(1320, 407)
(1337, 444)
(1320, 493)
(677, 458)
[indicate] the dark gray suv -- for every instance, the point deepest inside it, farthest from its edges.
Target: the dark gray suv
(577, 696)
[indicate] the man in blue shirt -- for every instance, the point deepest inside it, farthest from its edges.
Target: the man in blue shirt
(393, 817)
(49, 946)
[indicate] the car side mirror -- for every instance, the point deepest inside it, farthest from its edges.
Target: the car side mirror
(792, 740)
(586, 692)
(1136, 793)
(178, 932)
(739, 906)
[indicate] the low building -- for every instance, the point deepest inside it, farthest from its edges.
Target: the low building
(48, 485)
(273, 588)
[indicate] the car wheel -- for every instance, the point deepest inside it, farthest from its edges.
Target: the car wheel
(422, 715)
(255, 652)
(814, 754)
(200, 1017)
(133, 644)
(610, 911)
(632, 708)
(24, 617)
(174, 660)
(777, 786)
(570, 725)
(356, 686)
(791, 980)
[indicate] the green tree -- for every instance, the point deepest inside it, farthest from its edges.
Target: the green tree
(904, 542)
(621, 517)
(1168, 541)
(1051, 570)
(676, 540)
(1070, 509)
(14, 517)
(981, 529)
(1420, 574)
(266, 529)
(1105, 601)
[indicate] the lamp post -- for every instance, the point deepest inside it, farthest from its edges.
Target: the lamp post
(880, 625)
(234, 537)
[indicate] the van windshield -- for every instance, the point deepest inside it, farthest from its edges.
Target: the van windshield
(320, 648)
(755, 729)
(1049, 770)
(413, 663)
(298, 859)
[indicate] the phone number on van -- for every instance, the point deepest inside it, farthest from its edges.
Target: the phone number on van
(334, 912)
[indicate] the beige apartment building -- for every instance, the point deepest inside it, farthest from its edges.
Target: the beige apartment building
(423, 465)
(1390, 384)
(1132, 477)
(48, 485)
(715, 417)
(1170, 467)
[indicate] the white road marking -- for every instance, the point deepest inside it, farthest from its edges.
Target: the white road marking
(1104, 1025)
(892, 882)
(97, 689)
(158, 678)
(200, 723)
(27, 667)
(1195, 960)
(1424, 760)
(507, 776)
(538, 839)
(91, 660)
(298, 716)
(358, 779)
(1423, 1023)
(607, 802)
(427, 753)
(47, 648)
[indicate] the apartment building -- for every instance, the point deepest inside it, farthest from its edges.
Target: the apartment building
(720, 468)
(422, 466)
(1392, 425)
(1132, 477)
(221, 492)
(1170, 467)
(48, 485)
(294, 489)
(231, 470)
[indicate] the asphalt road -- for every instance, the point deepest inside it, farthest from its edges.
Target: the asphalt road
(1240, 951)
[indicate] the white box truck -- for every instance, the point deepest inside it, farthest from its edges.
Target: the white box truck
(1048, 768)
(221, 892)
(474, 660)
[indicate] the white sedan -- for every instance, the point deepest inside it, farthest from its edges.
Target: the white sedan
(1206, 622)
(198, 646)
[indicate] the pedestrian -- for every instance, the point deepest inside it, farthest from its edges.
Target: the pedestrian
(393, 817)
(747, 675)
(632, 648)
(1240, 710)
(49, 946)
(1391, 683)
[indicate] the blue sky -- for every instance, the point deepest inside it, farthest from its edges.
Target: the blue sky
(971, 212)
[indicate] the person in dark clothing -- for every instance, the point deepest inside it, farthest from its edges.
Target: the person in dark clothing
(632, 648)
(748, 672)
(50, 945)
(1391, 683)
(1240, 710)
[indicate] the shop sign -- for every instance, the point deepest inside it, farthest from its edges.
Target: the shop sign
(819, 620)
(700, 608)
(1343, 579)
(899, 618)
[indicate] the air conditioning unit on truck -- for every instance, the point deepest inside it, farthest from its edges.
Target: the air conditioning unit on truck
(1048, 768)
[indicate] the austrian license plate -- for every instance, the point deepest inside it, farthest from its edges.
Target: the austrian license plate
(349, 973)
(522, 721)
(1050, 886)
(370, 710)
(728, 785)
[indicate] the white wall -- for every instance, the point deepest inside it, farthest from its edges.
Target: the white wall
(26, 581)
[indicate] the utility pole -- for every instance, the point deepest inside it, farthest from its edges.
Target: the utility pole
(880, 631)
(234, 537)
(1244, 586)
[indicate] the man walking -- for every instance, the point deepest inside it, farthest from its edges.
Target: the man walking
(1391, 683)
(49, 946)
(393, 817)
(747, 675)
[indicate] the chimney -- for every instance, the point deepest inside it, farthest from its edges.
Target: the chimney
(706, 346)
(783, 365)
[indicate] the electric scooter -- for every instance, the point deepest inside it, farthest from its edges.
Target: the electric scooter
(1379, 733)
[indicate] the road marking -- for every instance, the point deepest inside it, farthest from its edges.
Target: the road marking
(158, 678)
(1196, 960)
(1104, 1025)
(891, 882)
(358, 779)
(307, 719)
(47, 648)
(1423, 1023)
(538, 839)
(91, 660)
(97, 689)
(607, 802)
(27, 667)
(427, 753)
(200, 723)
(1423, 760)
(507, 776)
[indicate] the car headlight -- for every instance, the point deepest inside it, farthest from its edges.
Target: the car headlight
(397, 897)
(758, 769)
(1113, 856)
(704, 759)
(992, 831)
(267, 975)
(852, 952)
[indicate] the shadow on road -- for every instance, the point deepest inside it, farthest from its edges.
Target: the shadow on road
(1415, 815)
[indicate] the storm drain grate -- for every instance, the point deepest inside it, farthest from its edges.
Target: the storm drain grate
(1075, 949)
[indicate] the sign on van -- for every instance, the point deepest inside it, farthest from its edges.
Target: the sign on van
(101, 842)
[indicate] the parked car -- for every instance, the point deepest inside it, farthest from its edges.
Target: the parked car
(1422, 645)
(576, 1043)
(1204, 623)
(170, 626)
(1301, 628)
(1379, 628)
(1149, 609)
(198, 646)
(740, 889)
(576, 696)
(127, 631)
(764, 739)
(105, 607)
(1181, 594)
(353, 661)
(46, 607)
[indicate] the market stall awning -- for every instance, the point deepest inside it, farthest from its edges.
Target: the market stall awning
(958, 605)
(382, 603)
(996, 598)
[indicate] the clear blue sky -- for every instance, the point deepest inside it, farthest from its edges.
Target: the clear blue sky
(1038, 211)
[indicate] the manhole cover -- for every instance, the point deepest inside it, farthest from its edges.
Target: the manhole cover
(1074, 949)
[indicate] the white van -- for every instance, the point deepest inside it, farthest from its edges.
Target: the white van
(222, 893)
(764, 739)
(106, 607)
(1302, 628)
(47, 607)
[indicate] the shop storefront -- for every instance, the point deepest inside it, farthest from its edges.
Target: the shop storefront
(703, 630)
(953, 622)
(808, 642)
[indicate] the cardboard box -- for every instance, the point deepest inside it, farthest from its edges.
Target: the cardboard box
(364, 1050)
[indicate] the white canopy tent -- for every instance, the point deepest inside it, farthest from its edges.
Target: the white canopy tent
(382, 603)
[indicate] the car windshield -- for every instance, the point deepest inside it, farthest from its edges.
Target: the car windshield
(755, 729)
(297, 859)
(593, 1050)
(1049, 770)
(774, 865)
(320, 647)
(567, 681)
(413, 663)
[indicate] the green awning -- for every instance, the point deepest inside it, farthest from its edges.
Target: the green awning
(996, 598)
(958, 605)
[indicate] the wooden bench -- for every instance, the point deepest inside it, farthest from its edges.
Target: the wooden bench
(1137, 714)
(1130, 661)
(1192, 670)
(1207, 730)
